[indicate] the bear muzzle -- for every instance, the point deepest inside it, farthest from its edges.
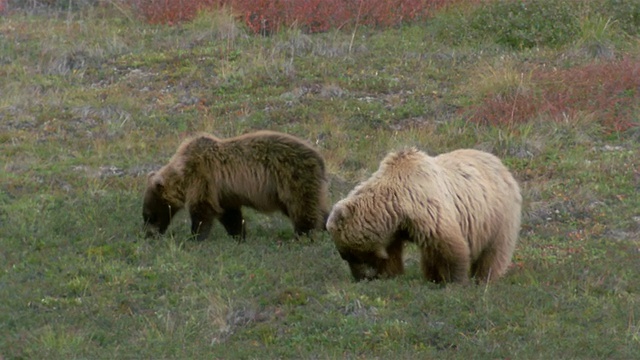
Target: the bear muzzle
(363, 271)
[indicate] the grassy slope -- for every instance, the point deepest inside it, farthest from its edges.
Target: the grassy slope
(91, 103)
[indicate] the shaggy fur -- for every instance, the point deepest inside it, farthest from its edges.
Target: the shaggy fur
(214, 178)
(462, 209)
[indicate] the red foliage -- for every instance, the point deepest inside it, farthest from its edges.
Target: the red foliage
(610, 90)
(268, 16)
(171, 11)
(265, 16)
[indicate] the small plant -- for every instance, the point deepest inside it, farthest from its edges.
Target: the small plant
(501, 79)
(506, 87)
(596, 28)
(596, 36)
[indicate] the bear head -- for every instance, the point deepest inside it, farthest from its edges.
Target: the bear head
(365, 265)
(358, 244)
(157, 210)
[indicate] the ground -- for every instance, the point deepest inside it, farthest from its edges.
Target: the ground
(92, 102)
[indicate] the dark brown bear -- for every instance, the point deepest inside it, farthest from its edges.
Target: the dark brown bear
(214, 178)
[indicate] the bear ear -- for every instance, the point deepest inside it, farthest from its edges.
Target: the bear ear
(155, 180)
(382, 253)
(341, 211)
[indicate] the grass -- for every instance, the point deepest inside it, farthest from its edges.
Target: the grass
(92, 100)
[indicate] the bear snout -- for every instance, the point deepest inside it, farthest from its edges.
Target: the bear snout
(363, 271)
(151, 231)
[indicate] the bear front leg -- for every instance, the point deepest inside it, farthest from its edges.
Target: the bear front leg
(301, 228)
(447, 261)
(233, 222)
(202, 215)
(394, 265)
(305, 222)
(456, 263)
(430, 270)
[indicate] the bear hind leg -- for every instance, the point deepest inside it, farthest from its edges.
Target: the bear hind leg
(304, 210)
(492, 264)
(450, 263)
(304, 219)
(233, 223)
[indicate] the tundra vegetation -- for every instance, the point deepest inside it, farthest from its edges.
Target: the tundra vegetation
(97, 93)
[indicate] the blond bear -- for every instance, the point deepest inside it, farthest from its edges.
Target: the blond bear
(462, 209)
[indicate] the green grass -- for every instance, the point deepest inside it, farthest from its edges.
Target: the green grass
(92, 101)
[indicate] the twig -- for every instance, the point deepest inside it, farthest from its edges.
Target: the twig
(355, 28)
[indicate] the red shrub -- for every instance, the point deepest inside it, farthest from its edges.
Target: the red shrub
(506, 109)
(610, 90)
(393, 12)
(264, 16)
(267, 16)
(171, 11)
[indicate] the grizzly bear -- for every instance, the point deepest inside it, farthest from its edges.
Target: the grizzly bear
(214, 178)
(462, 209)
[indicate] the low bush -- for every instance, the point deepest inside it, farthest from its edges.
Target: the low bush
(609, 90)
(268, 16)
(171, 11)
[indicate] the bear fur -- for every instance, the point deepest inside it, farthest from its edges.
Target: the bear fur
(214, 178)
(462, 209)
